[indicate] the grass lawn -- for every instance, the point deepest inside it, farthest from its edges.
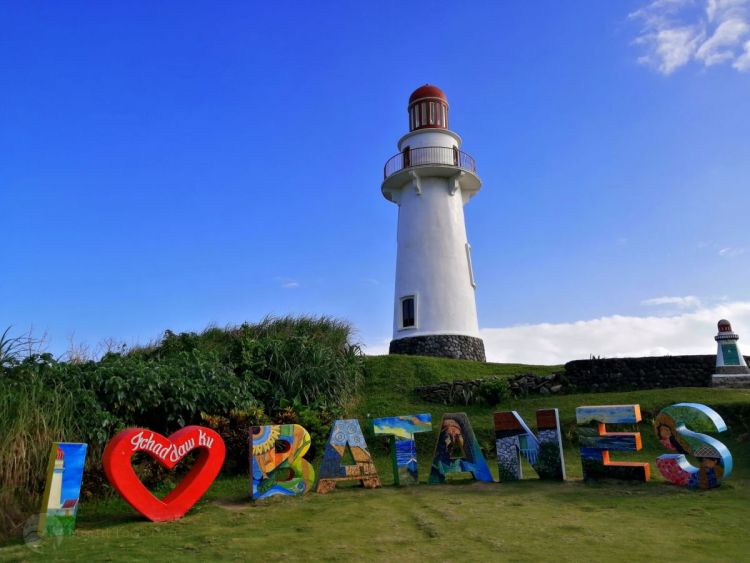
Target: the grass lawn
(528, 520)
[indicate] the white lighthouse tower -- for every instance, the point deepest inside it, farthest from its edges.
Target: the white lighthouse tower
(431, 179)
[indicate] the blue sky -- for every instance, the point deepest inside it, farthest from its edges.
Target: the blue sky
(174, 165)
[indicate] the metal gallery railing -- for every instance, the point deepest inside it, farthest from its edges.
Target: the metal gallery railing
(426, 156)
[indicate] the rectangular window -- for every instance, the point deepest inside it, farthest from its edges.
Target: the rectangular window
(408, 317)
(423, 105)
(432, 113)
(416, 117)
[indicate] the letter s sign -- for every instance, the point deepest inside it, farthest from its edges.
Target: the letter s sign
(676, 428)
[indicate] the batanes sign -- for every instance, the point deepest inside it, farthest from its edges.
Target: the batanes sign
(278, 466)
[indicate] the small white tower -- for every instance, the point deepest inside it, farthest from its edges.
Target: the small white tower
(731, 368)
(431, 179)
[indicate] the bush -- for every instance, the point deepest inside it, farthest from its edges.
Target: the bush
(493, 391)
(228, 379)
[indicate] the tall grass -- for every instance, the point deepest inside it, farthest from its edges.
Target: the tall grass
(304, 360)
(32, 416)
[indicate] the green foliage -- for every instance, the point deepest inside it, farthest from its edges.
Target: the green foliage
(167, 394)
(493, 391)
(318, 424)
(306, 362)
(234, 428)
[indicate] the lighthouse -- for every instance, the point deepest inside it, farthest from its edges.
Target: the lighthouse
(55, 493)
(731, 368)
(431, 179)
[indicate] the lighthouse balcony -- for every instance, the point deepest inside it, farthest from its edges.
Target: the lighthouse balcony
(429, 156)
(441, 162)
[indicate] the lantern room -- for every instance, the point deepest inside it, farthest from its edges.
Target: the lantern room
(428, 108)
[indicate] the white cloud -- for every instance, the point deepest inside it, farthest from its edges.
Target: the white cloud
(742, 62)
(674, 33)
(377, 348)
(720, 46)
(287, 283)
(687, 302)
(730, 252)
(615, 336)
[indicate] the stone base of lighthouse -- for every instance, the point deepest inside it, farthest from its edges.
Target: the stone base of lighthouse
(457, 346)
(735, 377)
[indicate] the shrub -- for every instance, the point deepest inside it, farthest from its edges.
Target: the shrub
(493, 391)
(234, 429)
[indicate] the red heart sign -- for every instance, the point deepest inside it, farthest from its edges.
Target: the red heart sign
(168, 452)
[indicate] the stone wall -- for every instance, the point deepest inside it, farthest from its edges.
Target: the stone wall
(455, 346)
(623, 374)
(450, 392)
(468, 391)
(611, 374)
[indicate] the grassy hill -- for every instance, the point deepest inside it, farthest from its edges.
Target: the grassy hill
(389, 382)
(526, 521)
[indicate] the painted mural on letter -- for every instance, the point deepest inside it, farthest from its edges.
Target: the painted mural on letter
(543, 451)
(671, 426)
(596, 443)
(346, 434)
(276, 459)
(63, 489)
(457, 450)
(403, 445)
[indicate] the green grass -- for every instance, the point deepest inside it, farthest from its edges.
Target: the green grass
(389, 380)
(522, 521)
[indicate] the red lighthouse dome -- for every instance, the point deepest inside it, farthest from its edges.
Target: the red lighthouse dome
(428, 108)
(427, 91)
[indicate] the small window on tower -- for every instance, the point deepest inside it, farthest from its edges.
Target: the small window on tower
(432, 113)
(408, 318)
